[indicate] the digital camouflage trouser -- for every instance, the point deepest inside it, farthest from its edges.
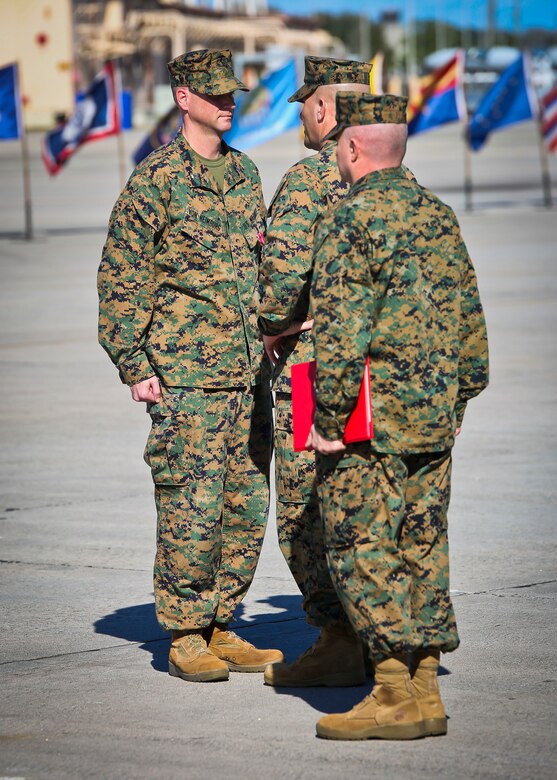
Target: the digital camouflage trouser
(385, 519)
(299, 526)
(209, 453)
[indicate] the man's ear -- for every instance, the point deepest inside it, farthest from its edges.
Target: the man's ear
(354, 151)
(182, 95)
(321, 110)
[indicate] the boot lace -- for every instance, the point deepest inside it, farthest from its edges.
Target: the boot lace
(196, 642)
(366, 700)
(191, 644)
(235, 639)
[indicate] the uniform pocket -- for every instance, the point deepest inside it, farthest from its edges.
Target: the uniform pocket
(203, 230)
(351, 504)
(294, 471)
(175, 448)
(251, 234)
(164, 451)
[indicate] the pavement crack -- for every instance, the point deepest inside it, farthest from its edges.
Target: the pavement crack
(139, 643)
(496, 591)
(72, 502)
(48, 565)
(81, 652)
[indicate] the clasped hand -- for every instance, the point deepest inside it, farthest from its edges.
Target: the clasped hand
(274, 345)
(324, 446)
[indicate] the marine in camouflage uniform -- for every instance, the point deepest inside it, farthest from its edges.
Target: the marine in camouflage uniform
(393, 281)
(308, 189)
(178, 311)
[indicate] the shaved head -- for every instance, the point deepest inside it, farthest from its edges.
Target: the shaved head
(362, 149)
(384, 144)
(318, 112)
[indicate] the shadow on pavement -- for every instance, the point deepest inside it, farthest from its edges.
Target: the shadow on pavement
(329, 700)
(283, 628)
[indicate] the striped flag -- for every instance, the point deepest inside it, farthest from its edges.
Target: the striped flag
(549, 119)
(96, 116)
(164, 131)
(440, 99)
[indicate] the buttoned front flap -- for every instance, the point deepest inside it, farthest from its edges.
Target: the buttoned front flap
(252, 236)
(205, 229)
(252, 228)
(246, 259)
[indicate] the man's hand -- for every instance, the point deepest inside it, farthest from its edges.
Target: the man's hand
(274, 345)
(324, 446)
(148, 390)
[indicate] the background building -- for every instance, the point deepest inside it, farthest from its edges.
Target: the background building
(38, 35)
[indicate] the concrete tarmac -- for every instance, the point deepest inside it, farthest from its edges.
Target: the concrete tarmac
(84, 688)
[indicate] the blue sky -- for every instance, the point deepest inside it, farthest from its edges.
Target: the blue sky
(533, 13)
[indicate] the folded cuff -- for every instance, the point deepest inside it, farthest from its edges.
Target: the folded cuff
(135, 369)
(460, 408)
(328, 427)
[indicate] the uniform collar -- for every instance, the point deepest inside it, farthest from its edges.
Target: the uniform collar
(376, 178)
(328, 149)
(199, 174)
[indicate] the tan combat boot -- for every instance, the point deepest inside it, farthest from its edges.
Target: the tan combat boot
(426, 690)
(239, 655)
(389, 712)
(191, 660)
(336, 659)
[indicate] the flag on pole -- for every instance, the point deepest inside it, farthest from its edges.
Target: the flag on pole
(549, 119)
(376, 75)
(510, 100)
(440, 99)
(163, 132)
(11, 126)
(96, 116)
(264, 112)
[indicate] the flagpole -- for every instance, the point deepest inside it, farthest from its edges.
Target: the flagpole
(119, 135)
(121, 157)
(544, 163)
(26, 186)
(26, 168)
(464, 115)
(468, 190)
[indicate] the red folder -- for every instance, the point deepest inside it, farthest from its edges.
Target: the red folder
(360, 423)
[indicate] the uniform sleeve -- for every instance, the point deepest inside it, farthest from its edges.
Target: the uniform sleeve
(473, 366)
(252, 172)
(258, 192)
(342, 304)
(287, 257)
(126, 279)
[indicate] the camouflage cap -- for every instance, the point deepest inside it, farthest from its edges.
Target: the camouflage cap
(206, 71)
(355, 108)
(321, 70)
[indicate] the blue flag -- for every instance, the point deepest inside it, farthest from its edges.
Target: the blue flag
(96, 116)
(264, 112)
(509, 100)
(10, 115)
